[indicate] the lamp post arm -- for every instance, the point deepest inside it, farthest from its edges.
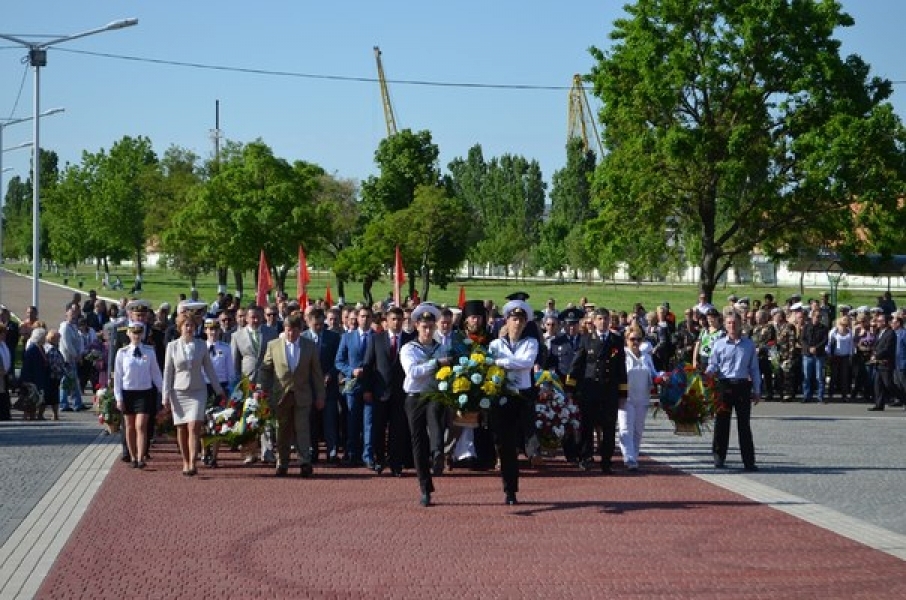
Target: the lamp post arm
(108, 27)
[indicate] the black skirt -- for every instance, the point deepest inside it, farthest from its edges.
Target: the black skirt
(138, 401)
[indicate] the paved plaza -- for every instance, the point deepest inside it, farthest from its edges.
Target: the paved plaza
(823, 518)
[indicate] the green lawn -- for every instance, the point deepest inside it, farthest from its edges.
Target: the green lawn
(162, 285)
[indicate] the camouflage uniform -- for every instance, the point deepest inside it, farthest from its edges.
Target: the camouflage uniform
(790, 356)
(765, 336)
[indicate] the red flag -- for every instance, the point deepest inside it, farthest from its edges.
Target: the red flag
(328, 299)
(399, 277)
(462, 297)
(302, 280)
(265, 283)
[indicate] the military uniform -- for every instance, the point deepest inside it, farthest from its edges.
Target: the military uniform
(790, 351)
(765, 337)
(560, 356)
(598, 372)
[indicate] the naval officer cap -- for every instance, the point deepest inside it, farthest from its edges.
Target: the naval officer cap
(516, 308)
(138, 305)
(425, 312)
(518, 296)
(572, 315)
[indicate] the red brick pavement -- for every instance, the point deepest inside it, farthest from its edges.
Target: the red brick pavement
(239, 532)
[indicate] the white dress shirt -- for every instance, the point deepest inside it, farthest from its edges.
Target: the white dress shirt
(420, 366)
(518, 360)
(136, 370)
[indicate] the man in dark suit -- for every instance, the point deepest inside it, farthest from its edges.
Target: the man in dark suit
(388, 412)
(325, 422)
(357, 389)
(598, 375)
(883, 356)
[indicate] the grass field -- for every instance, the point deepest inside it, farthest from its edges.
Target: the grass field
(162, 285)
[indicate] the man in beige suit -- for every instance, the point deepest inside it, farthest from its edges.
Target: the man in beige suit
(291, 375)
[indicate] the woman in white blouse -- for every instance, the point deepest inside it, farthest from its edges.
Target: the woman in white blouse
(640, 374)
(135, 381)
(185, 391)
(840, 349)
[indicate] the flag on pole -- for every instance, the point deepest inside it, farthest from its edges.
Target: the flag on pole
(328, 299)
(265, 283)
(462, 297)
(399, 277)
(302, 279)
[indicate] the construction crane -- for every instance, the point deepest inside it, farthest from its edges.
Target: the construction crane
(581, 119)
(389, 117)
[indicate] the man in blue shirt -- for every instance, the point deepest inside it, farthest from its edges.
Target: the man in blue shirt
(735, 362)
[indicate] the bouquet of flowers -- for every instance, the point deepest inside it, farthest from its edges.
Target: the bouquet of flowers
(108, 414)
(689, 398)
(239, 419)
(473, 384)
(556, 415)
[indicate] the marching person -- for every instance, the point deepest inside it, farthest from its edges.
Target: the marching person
(247, 345)
(734, 360)
(560, 358)
(382, 358)
(184, 388)
(420, 366)
(327, 342)
(291, 375)
(137, 378)
(598, 375)
(515, 351)
(224, 367)
(640, 374)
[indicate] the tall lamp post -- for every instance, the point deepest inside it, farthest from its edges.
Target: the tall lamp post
(37, 58)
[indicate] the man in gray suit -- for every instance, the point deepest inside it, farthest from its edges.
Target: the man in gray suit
(248, 346)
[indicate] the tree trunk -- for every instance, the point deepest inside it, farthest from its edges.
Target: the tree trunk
(426, 283)
(222, 274)
(341, 287)
(281, 278)
(709, 274)
(367, 283)
(237, 278)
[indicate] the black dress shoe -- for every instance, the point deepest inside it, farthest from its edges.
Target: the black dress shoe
(378, 468)
(718, 461)
(306, 471)
(126, 458)
(426, 499)
(872, 408)
(141, 464)
(396, 471)
(511, 499)
(606, 468)
(437, 465)
(586, 464)
(281, 471)
(750, 468)
(134, 464)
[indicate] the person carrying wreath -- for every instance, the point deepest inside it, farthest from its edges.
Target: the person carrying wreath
(516, 352)
(421, 359)
(734, 360)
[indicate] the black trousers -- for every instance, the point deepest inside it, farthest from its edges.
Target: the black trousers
(390, 431)
(505, 424)
(884, 388)
(528, 433)
(737, 395)
(767, 376)
(417, 415)
(437, 428)
(598, 406)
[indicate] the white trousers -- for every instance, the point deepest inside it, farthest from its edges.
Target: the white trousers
(631, 420)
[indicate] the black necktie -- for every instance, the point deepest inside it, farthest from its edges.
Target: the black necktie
(137, 353)
(212, 350)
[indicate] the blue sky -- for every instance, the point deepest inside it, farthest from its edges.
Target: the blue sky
(336, 124)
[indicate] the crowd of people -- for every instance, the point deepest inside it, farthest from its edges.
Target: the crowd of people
(352, 385)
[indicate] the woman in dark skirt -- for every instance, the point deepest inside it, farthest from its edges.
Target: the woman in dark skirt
(135, 378)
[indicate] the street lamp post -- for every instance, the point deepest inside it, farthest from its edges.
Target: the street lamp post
(37, 58)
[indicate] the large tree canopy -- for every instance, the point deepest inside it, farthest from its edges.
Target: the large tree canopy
(736, 125)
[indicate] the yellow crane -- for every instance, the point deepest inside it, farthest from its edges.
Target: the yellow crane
(581, 120)
(389, 117)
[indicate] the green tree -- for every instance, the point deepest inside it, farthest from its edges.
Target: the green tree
(406, 160)
(739, 124)
(337, 209)
(570, 201)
